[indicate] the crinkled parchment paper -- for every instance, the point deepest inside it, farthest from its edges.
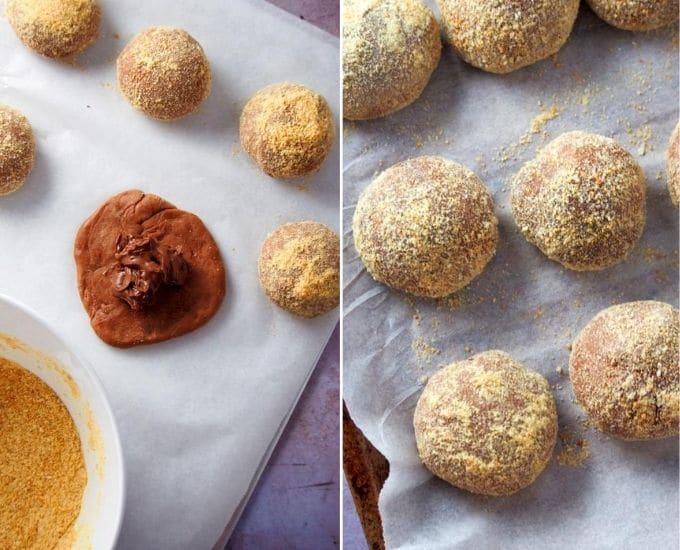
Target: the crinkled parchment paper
(198, 415)
(615, 494)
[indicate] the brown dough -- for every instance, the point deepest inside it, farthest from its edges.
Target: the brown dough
(176, 309)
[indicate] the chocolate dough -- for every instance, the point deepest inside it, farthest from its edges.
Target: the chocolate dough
(147, 271)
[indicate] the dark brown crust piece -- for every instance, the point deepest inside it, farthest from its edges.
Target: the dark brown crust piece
(55, 28)
(299, 268)
(637, 15)
(487, 424)
(624, 368)
(178, 310)
(366, 471)
(164, 73)
(391, 48)
(287, 129)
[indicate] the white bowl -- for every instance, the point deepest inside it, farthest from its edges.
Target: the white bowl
(27, 340)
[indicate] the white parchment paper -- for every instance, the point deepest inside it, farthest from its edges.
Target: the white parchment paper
(198, 415)
(625, 495)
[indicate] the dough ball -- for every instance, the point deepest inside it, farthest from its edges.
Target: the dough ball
(426, 226)
(501, 36)
(636, 15)
(390, 50)
(624, 368)
(673, 166)
(17, 149)
(487, 424)
(147, 271)
(299, 268)
(164, 73)
(55, 28)
(287, 129)
(581, 201)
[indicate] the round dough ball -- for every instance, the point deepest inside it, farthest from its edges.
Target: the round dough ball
(164, 73)
(581, 201)
(390, 50)
(426, 226)
(673, 166)
(55, 28)
(287, 129)
(299, 268)
(624, 368)
(487, 424)
(501, 36)
(636, 15)
(17, 149)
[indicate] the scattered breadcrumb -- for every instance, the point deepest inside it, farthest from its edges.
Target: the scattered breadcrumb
(574, 450)
(424, 350)
(543, 118)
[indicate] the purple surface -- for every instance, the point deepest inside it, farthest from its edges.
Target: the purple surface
(322, 13)
(296, 503)
(353, 537)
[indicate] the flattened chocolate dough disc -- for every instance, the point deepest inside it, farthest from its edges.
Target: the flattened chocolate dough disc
(175, 308)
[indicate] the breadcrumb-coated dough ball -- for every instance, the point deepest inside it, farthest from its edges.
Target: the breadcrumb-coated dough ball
(17, 149)
(426, 226)
(390, 50)
(637, 15)
(487, 424)
(625, 370)
(287, 129)
(581, 201)
(55, 28)
(673, 166)
(501, 36)
(299, 268)
(164, 73)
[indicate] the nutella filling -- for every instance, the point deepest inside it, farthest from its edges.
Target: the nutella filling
(142, 267)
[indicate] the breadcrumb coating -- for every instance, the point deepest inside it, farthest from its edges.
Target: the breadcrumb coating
(287, 129)
(299, 268)
(625, 370)
(426, 226)
(637, 15)
(581, 201)
(390, 50)
(673, 165)
(17, 149)
(55, 28)
(487, 424)
(164, 73)
(501, 36)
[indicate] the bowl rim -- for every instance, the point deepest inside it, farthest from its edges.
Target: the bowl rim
(108, 412)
